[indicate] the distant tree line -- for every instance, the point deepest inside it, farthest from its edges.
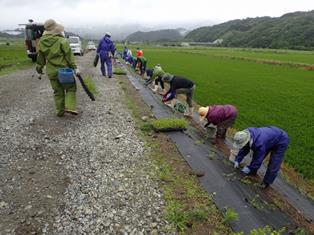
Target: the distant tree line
(290, 31)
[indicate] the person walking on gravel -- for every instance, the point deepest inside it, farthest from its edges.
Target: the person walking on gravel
(55, 53)
(106, 50)
(179, 85)
(222, 116)
(261, 141)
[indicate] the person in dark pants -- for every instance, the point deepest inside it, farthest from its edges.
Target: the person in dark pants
(222, 116)
(179, 85)
(105, 47)
(261, 141)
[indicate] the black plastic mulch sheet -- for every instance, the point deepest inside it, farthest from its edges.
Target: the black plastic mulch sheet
(228, 186)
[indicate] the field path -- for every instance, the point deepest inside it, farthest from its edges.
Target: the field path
(85, 174)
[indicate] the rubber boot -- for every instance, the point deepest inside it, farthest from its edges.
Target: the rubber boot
(70, 98)
(190, 112)
(59, 96)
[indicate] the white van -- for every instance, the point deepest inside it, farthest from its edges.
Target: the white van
(76, 45)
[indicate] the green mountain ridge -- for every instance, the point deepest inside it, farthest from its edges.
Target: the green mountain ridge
(156, 36)
(291, 31)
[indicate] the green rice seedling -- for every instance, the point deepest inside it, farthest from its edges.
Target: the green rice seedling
(246, 180)
(169, 124)
(260, 204)
(118, 71)
(147, 127)
(267, 230)
(90, 85)
(230, 215)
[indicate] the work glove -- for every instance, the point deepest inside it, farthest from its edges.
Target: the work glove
(246, 170)
(39, 70)
(77, 71)
(236, 164)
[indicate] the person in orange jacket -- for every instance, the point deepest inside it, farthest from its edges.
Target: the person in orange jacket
(139, 52)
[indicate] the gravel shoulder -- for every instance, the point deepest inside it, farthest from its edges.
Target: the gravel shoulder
(85, 174)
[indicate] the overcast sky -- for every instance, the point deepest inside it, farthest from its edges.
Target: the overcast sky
(148, 13)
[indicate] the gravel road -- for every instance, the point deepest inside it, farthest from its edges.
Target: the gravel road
(85, 174)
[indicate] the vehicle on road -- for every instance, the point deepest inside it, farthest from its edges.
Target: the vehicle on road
(33, 32)
(91, 46)
(76, 45)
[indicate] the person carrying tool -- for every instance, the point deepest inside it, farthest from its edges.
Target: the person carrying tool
(156, 75)
(179, 85)
(222, 116)
(106, 50)
(261, 141)
(55, 53)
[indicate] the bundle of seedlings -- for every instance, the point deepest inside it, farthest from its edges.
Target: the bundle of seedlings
(169, 124)
(118, 71)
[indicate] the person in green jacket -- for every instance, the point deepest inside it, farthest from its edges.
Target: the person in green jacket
(141, 62)
(54, 52)
(158, 73)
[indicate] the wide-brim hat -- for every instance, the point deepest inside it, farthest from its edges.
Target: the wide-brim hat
(51, 27)
(203, 111)
(240, 139)
(167, 77)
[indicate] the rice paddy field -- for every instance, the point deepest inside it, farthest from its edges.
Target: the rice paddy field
(280, 94)
(13, 56)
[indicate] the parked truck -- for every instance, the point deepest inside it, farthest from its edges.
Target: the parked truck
(33, 32)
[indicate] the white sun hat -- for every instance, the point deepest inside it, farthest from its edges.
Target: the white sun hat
(241, 138)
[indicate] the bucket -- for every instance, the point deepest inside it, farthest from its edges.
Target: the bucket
(180, 107)
(66, 76)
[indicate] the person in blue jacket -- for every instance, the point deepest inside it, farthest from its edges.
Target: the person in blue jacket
(261, 141)
(106, 50)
